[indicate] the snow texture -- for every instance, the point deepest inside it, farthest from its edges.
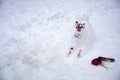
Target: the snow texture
(36, 35)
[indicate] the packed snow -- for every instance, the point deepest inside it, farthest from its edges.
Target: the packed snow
(36, 35)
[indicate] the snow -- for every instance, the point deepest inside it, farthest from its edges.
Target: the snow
(35, 37)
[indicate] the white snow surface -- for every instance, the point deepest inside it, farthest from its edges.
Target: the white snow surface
(35, 37)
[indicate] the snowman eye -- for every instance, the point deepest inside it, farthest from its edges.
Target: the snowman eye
(76, 21)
